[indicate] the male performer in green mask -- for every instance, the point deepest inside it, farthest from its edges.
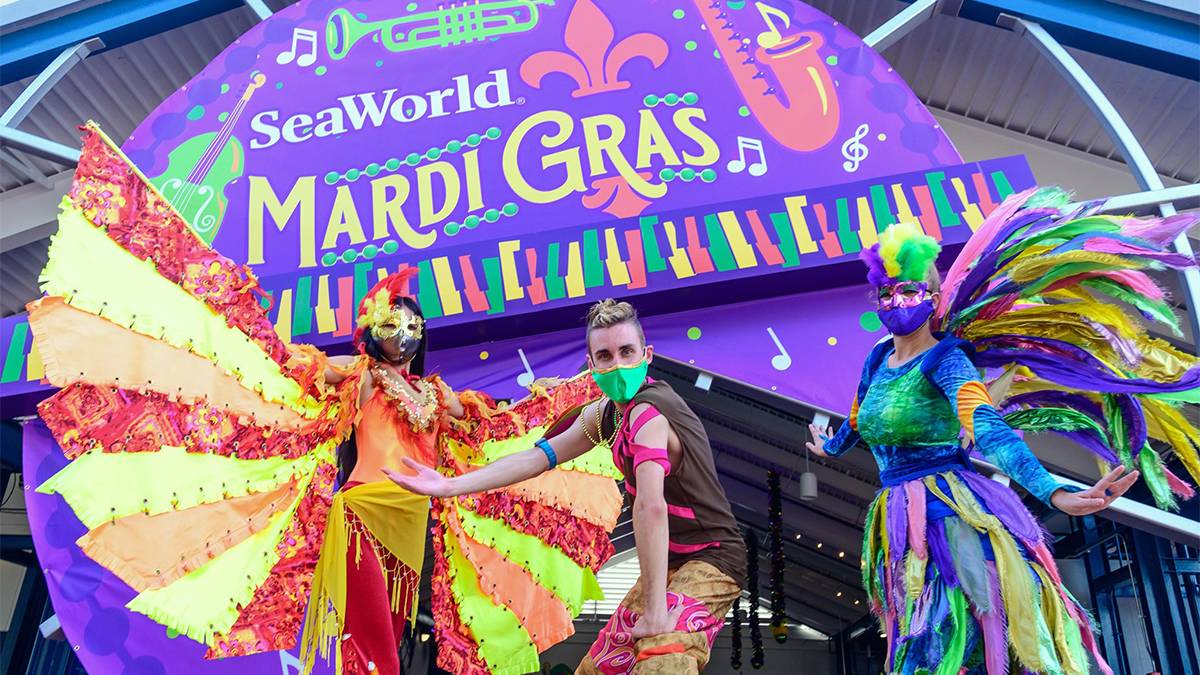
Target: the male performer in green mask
(691, 554)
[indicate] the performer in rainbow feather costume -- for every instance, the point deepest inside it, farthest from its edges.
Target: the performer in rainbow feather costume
(957, 569)
(203, 456)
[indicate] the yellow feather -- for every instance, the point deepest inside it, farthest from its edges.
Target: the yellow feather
(1027, 268)
(892, 239)
(1167, 424)
(1016, 586)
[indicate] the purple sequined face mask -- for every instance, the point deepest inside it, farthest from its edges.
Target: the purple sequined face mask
(905, 306)
(903, 294)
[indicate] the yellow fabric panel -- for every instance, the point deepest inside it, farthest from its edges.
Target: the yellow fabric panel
(207, 601)
(397, 520)
(597, 461)
(92, 272)
(396, 517)
(504, 644)
(102, 486)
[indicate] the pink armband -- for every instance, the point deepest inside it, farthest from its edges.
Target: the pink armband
(642, 453)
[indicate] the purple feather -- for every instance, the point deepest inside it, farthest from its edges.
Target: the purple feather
(1005, 505)
(988, 264)
(1160, 231)
(876, 271)
(993, 625)
(1135, 422)
(897, 524)
(1089, 442)
(1071, 366)
(939, 551)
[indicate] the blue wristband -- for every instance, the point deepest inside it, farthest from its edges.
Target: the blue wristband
(550, 455)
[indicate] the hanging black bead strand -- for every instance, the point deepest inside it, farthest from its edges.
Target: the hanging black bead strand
(756, 643)
(735, 649)
(775, 521)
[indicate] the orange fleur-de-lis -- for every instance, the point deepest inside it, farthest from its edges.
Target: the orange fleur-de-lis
(596, 62)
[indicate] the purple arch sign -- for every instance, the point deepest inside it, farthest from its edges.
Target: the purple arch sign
(336, 139)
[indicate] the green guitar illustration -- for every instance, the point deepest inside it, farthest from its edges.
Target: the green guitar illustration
(199, 169)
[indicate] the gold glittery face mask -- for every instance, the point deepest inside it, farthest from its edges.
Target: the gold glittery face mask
(399, 322)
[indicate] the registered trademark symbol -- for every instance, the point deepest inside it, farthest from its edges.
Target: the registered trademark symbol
(520, 100)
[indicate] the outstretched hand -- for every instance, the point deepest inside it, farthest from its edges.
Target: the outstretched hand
(817, 445)
(425, 482)
(1097, 497)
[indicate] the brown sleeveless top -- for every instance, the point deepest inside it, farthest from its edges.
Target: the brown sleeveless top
(699, 521)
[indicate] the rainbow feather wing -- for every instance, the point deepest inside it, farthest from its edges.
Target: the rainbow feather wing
(513, 567)
(201, 445)
(1042, 295)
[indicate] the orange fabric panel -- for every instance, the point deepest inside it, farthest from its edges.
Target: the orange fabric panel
(595, 499)
(133, 547)
(77, 345)
(970, 396)
(538, 609)
(854, 414)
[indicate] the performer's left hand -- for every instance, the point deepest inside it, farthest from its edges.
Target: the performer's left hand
(1097, 497)
(649, 625)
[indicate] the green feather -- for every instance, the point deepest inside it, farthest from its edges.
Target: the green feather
(1048, 197)
(1159, 309)
(1055, 419)
(1152, 471)
(955, 649)
(916, 256)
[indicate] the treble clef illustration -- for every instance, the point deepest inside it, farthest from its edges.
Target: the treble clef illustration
(784, 80)
(854, 150)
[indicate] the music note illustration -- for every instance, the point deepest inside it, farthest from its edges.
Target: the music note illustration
(309, 57)
(782, 360)
(288, 662)
(738, 165)
(526, 378)
(854, 150)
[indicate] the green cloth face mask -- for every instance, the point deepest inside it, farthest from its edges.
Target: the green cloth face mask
(621, 383)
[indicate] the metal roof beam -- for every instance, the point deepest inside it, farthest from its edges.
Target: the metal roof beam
(117, 22)
(36, 145)
(30, 97)
(260, 8)
(45, 81)
(902, 24)
(1163, 41)
(1137, 515)
(1183, 197)
(30, 210)
(1122, 136)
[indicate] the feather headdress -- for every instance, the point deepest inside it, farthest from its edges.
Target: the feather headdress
(904, 253)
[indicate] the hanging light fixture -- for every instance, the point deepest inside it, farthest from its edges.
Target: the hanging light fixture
(808, 479)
